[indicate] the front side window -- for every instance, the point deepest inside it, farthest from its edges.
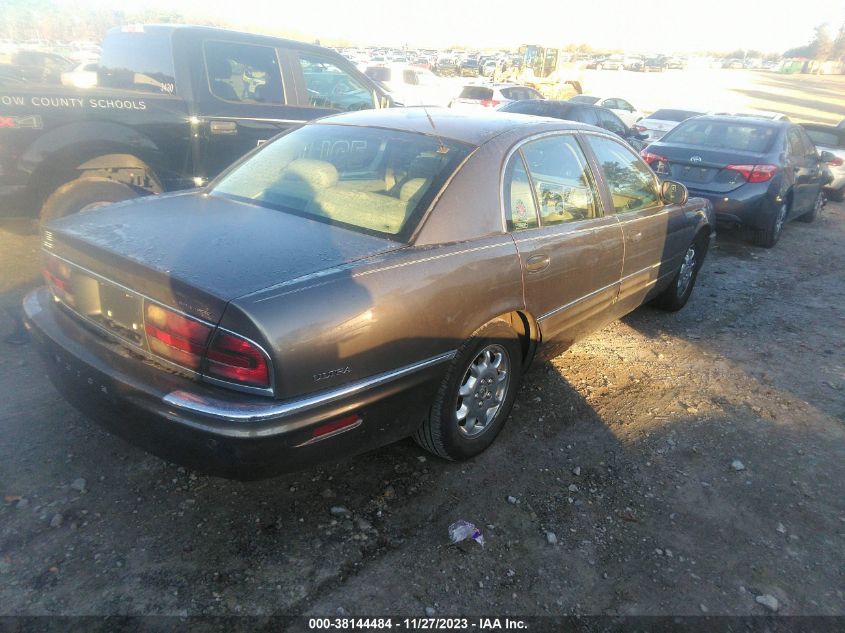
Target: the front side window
(368, 179)
(329, 86)
(632, 184)
(244, 73)
(520, 210)
(562, 180)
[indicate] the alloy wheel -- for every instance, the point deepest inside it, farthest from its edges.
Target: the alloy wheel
(482, 391)
(687, 271)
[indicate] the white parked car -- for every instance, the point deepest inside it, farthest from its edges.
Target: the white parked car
(82, 76)
(656, 124)
(492, 95)
(410, 85)
(621, 108)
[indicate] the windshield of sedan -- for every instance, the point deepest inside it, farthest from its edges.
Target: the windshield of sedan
(373, 180)
(742, 137)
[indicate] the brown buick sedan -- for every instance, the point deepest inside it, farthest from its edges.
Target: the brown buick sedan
(363, 278)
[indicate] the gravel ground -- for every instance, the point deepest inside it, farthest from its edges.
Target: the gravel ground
(681, 463)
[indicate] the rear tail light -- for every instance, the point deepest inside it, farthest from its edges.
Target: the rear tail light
(185, 341)
(640, 128)
(755, 173)
(57, 274)
(836, 162)
(652, 158)
(175, 337)
(236, 359)
(490, 103)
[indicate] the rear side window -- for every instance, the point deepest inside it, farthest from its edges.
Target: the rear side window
(673, 115)
(742, 137)
(632, 184)
(476, 92)
(138, 61)
(243, 72)
(520, 210)
(562, 180)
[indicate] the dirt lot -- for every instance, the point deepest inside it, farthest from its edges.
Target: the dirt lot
(623, 448)
(686, 463)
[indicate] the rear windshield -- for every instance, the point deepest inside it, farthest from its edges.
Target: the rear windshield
(741, 137)
(822, 137)
(373, 180)
(476, 92)
(673, 115)
(584, 99)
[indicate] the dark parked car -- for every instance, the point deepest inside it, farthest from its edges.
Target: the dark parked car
(363, 278)
(758, 173)
(583, 113)
(829, 138)
(172, 107)
(470, 68)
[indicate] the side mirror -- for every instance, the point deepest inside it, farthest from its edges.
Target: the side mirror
(827, 157)
(672, 192)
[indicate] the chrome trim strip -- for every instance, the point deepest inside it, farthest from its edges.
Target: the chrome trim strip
(602, 289)
(250, 118)
(334, 433)
(257, 413)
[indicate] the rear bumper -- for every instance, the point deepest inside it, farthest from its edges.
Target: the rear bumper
(748, 205)
(213, 430)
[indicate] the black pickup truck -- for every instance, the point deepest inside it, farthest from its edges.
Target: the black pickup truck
(168, 107)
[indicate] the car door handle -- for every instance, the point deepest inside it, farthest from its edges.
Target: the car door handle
(536, 263)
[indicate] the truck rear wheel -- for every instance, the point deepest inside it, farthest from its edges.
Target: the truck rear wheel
(84, 194)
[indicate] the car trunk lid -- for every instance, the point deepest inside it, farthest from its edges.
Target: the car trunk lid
(700, 168)
(197, 252)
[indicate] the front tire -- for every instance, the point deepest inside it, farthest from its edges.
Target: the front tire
(678, 292)
(84, 194)
(768, 235)
(476, 395)
(815, 212)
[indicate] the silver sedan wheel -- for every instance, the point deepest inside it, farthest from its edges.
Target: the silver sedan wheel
(687, 270)
(482, 391)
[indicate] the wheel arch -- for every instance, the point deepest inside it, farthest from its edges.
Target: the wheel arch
(62, 154)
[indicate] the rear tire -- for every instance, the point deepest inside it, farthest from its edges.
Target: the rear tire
(678, 292)
(815, 212)
(768, 235)
(476, 395)
(837, 195)
(84, 194)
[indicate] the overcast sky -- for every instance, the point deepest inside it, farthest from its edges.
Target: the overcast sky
(659, 25)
